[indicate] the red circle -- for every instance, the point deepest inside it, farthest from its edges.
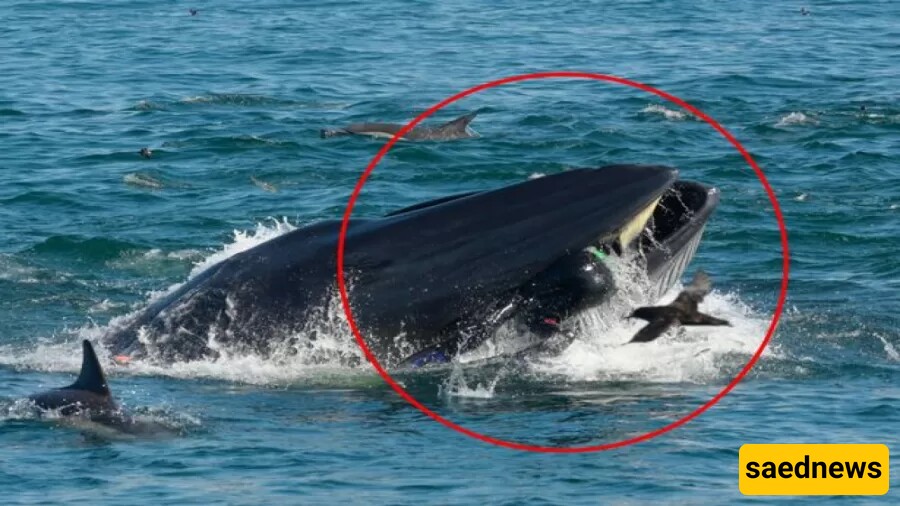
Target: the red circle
(345, 301)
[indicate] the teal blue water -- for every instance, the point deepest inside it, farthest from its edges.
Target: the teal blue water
(231, 102)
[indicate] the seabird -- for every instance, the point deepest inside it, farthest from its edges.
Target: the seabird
(683, 310)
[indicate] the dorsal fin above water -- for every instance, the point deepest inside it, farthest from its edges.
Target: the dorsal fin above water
(91, 377)
(459, 124)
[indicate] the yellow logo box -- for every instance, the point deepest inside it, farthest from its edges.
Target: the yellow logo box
(794, 469)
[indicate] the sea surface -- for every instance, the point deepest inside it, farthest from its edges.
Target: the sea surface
(231, 101)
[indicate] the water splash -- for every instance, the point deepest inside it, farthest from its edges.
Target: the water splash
(889, 349)
(324, 352)
(796, 118)
(456, 386)
(687, 354)
(244, 240)
(264, 185)
(143, 422)
(669, 114)
(142, 180)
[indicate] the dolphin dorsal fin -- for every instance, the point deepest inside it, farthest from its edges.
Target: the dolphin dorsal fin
(91, 377)
(459, 124)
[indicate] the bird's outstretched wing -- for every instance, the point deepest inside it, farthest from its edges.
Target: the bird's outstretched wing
(693, 294)
(698, 318)
(654, 329)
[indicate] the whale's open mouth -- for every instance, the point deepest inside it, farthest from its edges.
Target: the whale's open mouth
(664, 228)
(682, 210)
(673, 233)
(662, 238)
(665, 234)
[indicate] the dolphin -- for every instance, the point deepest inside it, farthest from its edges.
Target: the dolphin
(683, 311)
(88, 397)
(455, 129)
(435, 279)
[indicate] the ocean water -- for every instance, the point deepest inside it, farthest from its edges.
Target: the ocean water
(231, 102)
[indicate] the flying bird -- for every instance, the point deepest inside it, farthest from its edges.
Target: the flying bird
(683, 311)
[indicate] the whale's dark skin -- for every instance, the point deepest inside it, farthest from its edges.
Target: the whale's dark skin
(442, 273)
(455, 129)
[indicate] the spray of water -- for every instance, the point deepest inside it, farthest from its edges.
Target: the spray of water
(324, 352)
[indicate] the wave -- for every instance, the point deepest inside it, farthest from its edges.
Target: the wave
(600, 350)
(264, 185)
(326, 354)
(694, 355)
(13, 270)
(146, 421)
(46, 199)
(224, 99)
(151, 181)
(239, 99)
(147, 105)
(231, 143)
(142, 180)
(30, 265)
(669, 114)
(82, 248)
(796, 118)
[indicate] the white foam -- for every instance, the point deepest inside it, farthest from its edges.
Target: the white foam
(322, 354)
(796, 118)
(104, 305)
(889, 349)
(11, 270)
(686, 354)
(325, 353)
(669, 114)
(244, 240)
(196, 99)
(183, 254)
(143, 181)
(45, 356)
(144, 421)
(600, 351)
(263, 185)
(457, 386)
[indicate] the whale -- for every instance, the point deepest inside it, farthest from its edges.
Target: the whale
(451, 130)
(438, 278)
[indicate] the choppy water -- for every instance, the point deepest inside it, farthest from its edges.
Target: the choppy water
(231, 101)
